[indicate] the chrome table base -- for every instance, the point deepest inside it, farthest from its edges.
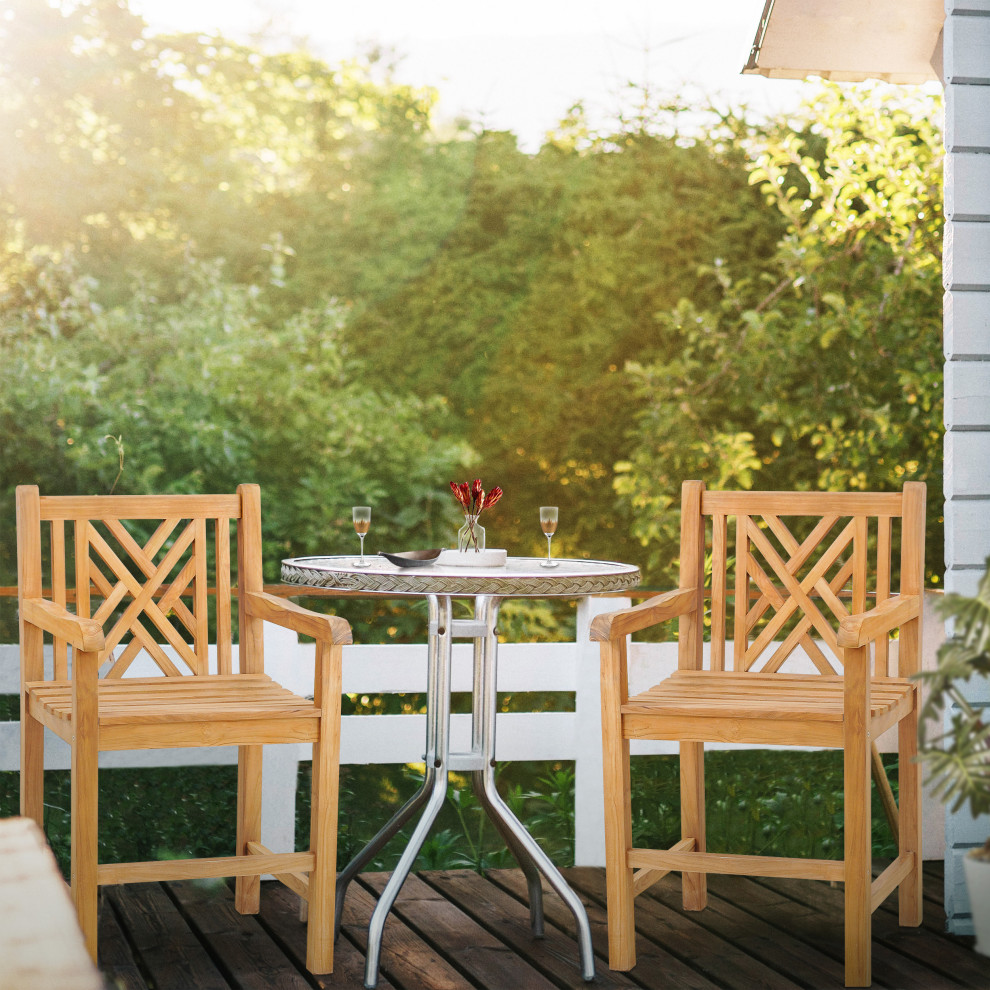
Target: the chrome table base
(480, 761)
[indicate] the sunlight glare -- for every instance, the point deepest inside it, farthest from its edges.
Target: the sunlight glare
(519, 65)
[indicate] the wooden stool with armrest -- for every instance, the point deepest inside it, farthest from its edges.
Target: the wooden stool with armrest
(788, 570)
(142, 567)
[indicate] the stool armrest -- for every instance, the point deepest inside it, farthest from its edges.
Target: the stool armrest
(83, 634)
(329, 628)
(860, 629)
(616, 625)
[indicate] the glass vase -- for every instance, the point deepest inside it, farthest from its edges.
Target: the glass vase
(471, 536)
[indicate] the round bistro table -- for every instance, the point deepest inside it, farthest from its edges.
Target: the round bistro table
(439, 583)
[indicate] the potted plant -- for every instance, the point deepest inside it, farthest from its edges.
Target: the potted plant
(958, 756)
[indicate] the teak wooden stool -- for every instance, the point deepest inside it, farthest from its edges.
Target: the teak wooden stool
(784, 565)
(148, 561)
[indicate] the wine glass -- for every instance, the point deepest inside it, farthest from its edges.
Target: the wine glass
(361, 514)
(548, 520)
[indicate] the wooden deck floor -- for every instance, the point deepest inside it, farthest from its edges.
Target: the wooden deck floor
(457, 930)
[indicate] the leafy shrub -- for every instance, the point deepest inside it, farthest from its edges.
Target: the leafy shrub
(764, 802)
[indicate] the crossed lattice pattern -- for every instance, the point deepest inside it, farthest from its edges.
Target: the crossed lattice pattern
(791, 591)
(151, 594)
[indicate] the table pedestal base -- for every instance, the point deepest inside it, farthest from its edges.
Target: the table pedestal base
(480, 762)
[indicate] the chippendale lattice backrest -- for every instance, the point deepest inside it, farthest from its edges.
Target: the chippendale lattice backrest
(154, 571)
(786, 567)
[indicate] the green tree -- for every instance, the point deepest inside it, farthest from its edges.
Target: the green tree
(206, 392)
(690, 295)
(547, 286)
(306, 188)
(823, 369)
(133, 149)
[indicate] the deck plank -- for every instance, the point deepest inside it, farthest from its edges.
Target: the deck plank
(117, 962)
(280, 915)
(821, 931)
(704, 948)
(656, 968)
(742, 922)
(170, 951)
(898, 952)
(555, 954)
(473, 949)
(457, 930)
(252, 960)
(406, 958)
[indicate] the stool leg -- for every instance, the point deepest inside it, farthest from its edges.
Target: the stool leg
(909, 893)
(618, 808)
(84, 786)
(32, 768)
(324, 810)
(695, 885)
(858, 831)
(247, 890)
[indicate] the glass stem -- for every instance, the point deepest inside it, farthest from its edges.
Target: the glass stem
(361, 536)
(549, 538)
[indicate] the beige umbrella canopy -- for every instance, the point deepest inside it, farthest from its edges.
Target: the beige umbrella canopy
(898, 41)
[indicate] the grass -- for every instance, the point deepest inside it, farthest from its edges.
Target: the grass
(157, 813)
(759, 801)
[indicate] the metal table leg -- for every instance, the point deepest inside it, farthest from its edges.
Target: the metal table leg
(430, 783)
(486, 613)
(368, 853)
(481, 763)
(523, 845)
(398, 878)
(432, 793)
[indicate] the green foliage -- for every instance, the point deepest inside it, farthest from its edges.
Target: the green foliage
(778, 803)
(188, 227)
(136, 148)
(691, 295)
(758, 802)
(820, 365)
(528, 620)
(539, 794)
(545, 289)
(155, 813)
(208, 391)
(958, 756)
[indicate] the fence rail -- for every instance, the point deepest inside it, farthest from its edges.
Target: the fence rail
(399, 668)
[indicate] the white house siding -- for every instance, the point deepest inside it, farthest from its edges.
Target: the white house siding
(967, 355)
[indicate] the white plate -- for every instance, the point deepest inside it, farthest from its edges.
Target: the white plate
(471, 558)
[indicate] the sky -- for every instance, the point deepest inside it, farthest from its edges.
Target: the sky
(517, 65)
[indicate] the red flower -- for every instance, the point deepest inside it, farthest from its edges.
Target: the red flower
(473, 498)
(462, 494)
(491, 498)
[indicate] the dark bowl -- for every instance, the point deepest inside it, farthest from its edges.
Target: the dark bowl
(411, 558)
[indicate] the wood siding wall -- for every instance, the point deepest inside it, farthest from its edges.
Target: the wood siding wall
(966, 268)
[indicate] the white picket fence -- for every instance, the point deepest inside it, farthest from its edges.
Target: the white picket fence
(388, 669)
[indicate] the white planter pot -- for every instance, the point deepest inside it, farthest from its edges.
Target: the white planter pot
(977, 873)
